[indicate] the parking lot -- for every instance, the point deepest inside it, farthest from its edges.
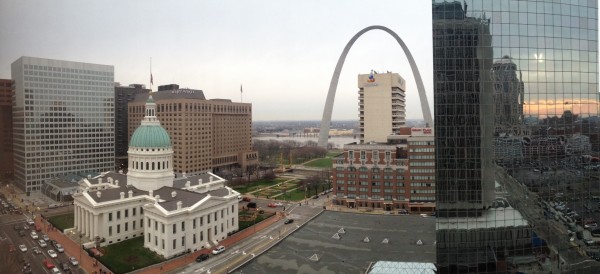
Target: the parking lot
(364, 239)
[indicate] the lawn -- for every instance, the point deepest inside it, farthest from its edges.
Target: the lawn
(63, 222)
(334, 153)
(294, 195)
(257, 185)
(248, 215)
(322, 163)
(128, 255)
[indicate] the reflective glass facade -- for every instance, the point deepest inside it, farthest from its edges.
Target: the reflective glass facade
(517, 135)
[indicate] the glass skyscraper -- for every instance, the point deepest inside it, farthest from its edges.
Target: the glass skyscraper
(63, 119)
(517, 135)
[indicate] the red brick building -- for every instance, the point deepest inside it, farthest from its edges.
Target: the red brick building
(6, 139)
(399, 174)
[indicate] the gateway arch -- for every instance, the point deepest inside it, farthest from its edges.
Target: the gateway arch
(326, 120)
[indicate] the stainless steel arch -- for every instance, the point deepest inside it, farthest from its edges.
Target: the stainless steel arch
(326, 120)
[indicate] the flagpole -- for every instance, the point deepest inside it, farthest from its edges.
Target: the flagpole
(241, 92)
(151, 80)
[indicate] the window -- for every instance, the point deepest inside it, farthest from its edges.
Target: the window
(194, 238)
(133, 213)
(183, 241)
(183, 226)
(174, 228)
(110, 217)
(155, 226)
(174, 243)
(118, 229)
(194, 223)
(149, 237)
(215, 216)
(110, 231)
(163, 228)
(118, 215)
(133, 225)
(201, 219)
(126, 213)
(126, 226)
(201, 235)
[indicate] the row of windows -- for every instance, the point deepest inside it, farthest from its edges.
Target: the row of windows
(126, 226)
(422, 164)
(421, 156)
(422, 149)
(125, 213)
(421, 143)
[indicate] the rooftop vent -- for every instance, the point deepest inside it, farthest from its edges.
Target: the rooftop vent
(98, 194)
(199, 181)
(117, 182)
(188, 184)
(120, 171)
(130, 193)
(89, 176)
(150, 192)
(173, 194)
(183, 175)
(179, 204)
(122, 194)
(100, 180)
(210, 178)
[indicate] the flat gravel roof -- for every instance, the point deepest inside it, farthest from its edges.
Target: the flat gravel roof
(349, 254)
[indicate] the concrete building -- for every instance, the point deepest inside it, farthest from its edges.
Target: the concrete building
(381, 105)
(398, 174)
(63, 119)
(208, 135)
(124, 95)
(6, 142)
(173, 214)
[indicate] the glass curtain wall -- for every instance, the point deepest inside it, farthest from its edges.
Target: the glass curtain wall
(517, 135)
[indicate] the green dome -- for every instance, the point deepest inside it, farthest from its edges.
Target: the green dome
(150, 136)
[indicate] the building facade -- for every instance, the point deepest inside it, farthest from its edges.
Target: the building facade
(124, 95)
(175, 215)
(63, 119)
(516, 107)
(381, 105)
(207, 134)
(398, 174)
(6, 142)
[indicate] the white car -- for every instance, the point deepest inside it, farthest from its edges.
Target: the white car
(36, 250)
(45, 237)
(42, 243)
(52, 253)
(23, 248)
(73, 261)
(34, 235)
(220, 249)
(30, 222)
(59, 248)
(55, 270)
(279, 204)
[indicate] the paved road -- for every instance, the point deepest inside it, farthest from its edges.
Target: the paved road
(251, 247)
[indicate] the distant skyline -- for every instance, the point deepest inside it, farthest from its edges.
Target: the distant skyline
(283, 53)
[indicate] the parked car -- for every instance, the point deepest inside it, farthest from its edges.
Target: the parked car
(52, 253)
(246, 199)
(17, 227)
(22, 233)
(30, 221)
(220, 249)
(36, 250)
(279, 204)
(59, 248)
(55, 270)
(42, 243)
(45, 237)
(271, 205)
(288, 221)
(202, 257)
(34, 235)
(73, 261)
(65, 267)
(251, 205)
(49, 264)
(23, 248)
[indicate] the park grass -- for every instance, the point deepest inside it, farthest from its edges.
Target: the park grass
(63, 222)
(320, 163)
(334, 153)
(294, 195)
(128, 255)
(256, 185)
(259, 218)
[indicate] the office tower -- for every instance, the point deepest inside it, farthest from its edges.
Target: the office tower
(381, 105)
(124, 95)
(396, 175)
(6, 146)
(63, 119)
(516, 117)
(207, 135)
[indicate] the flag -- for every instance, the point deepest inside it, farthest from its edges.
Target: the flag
(151, 79)
(241, 91)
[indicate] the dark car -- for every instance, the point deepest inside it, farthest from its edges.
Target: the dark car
(17, 227)
(316, 197)
(22, 233)
(251, 205)
(65, 267)
(288, 221)
(202, 257)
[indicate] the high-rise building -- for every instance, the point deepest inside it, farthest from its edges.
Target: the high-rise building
(124, 95)
(381, 105)
(396, 175)
(208, 135)
(6, 146)
(63, 119)
(516, 116)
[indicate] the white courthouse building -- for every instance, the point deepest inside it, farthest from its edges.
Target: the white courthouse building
(174, 214)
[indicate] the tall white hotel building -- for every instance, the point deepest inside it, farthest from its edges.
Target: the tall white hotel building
(63, 119)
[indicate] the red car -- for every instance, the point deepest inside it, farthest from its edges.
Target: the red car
(49, 264)
(272, 205)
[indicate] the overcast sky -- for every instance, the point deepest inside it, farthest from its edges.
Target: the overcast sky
(282, 52)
